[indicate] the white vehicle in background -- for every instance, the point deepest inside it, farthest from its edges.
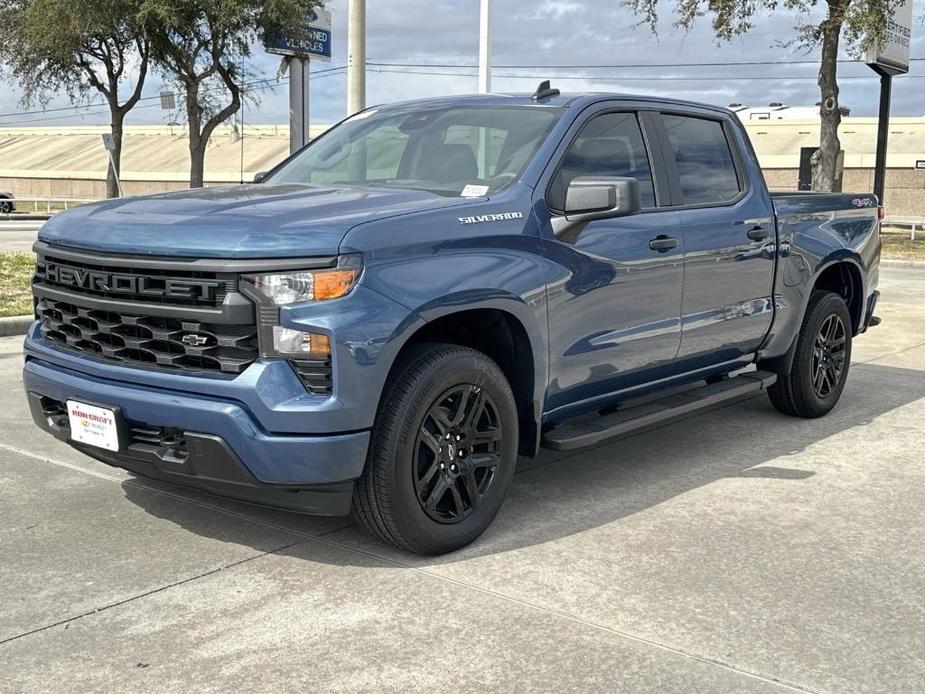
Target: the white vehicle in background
(6, 201)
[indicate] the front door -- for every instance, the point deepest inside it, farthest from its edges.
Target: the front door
(614, 291)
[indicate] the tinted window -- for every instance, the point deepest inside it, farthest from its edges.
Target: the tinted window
(608, 145)
(703, 158)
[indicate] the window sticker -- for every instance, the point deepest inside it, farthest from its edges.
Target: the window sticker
(474, 191)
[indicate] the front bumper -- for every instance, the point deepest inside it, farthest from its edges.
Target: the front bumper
(228, 452)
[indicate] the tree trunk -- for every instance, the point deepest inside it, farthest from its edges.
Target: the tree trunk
(112, 187)
(197, 144)
(197, 155)
(825, 160)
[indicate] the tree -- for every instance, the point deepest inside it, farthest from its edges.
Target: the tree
(79, 48)
(203, 45)
(862, 23)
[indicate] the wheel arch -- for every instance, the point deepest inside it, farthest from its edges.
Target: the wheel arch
(843, 276)
(503, 336)
(840, 273)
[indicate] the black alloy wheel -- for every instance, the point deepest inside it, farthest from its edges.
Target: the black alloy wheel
(829, 355)
(457, 453)
(813, 381)
(442, 452)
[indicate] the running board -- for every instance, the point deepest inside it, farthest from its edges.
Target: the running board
(591, 432)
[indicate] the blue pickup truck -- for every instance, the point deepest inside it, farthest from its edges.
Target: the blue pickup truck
(387, 319)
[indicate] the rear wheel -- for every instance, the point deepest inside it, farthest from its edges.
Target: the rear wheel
(817, 376)
(442, 453)
(6, 206)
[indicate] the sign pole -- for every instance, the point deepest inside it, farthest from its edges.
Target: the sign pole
(314, 40)
(883, 131)
(298, 104)
(889, 57)
(110, 146)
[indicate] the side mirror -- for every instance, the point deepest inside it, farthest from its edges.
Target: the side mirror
(596, 197)
(259, 176)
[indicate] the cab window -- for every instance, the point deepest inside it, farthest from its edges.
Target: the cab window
(706, 169)
(608, 145)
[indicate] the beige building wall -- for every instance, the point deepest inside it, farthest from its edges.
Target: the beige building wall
(71, 162)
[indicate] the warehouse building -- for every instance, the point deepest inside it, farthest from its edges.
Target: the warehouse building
(71, 162)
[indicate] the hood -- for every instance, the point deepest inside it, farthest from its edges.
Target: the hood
(246, 221)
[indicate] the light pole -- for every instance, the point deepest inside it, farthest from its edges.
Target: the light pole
(356, 56)
(485, 46)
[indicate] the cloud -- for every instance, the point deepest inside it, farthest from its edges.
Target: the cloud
(535, 39)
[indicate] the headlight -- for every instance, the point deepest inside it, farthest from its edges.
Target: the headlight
(284, 288)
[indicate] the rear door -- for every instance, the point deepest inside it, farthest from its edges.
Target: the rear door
(614, 296)
(727, 226)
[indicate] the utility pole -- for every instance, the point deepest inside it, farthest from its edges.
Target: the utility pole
(356, 56)
(485, 47)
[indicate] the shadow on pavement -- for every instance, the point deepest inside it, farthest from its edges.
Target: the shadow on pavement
(558, 495)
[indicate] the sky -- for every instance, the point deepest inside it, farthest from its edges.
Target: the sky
(544, 39)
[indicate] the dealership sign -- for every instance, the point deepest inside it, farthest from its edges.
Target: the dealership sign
(313, 41)
(892, 55)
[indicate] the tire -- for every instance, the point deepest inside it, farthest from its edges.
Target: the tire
(820, 365)
(6, 206)
(398, 498)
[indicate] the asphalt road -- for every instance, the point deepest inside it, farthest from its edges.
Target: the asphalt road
(735, 551)
(18, 235)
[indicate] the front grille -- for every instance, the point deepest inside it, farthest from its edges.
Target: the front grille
(159, 341)
(146, 285)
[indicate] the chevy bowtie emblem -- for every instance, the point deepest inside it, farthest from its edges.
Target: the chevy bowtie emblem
(193, 340)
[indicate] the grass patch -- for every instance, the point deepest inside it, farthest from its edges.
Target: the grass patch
(900, 246)
(15, 283)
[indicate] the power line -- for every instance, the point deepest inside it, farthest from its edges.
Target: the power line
(593, 78)
(321, 74)
(740, 63)
(246, 85)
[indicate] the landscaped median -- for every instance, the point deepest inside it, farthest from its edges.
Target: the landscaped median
(15, 293)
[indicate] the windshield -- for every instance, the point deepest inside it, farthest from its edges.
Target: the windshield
(461, 150)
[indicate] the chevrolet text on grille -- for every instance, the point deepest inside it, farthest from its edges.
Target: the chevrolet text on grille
(123, 283)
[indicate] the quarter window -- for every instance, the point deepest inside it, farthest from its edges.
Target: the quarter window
(703, 160)
(608, 145)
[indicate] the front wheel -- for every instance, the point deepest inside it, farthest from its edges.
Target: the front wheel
(442, 453)
(6, 206)
(815, 381)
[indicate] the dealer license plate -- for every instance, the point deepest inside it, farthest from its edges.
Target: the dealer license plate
(92, 425)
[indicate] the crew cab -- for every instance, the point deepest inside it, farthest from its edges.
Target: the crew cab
(390, 317)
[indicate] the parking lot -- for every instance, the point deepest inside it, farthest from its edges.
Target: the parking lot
(735, 551)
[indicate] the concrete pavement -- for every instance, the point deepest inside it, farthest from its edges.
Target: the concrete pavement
(736, 551)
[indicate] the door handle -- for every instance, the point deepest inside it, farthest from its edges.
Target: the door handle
(662, 243)
(758, 233)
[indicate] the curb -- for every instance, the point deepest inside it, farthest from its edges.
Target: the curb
(15, 325)
(17, 217)
(889, 262)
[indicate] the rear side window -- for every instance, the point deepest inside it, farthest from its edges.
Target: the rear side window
(703, 159)
(608, 145)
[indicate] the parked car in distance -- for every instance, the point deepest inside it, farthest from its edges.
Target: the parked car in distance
(391, 316)
(6, 202)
